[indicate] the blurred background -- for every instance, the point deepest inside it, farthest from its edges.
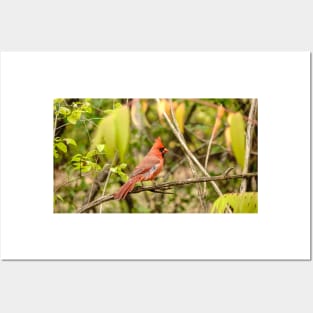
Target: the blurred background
(98, 142)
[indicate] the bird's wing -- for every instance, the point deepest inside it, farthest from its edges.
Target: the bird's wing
(149, 164)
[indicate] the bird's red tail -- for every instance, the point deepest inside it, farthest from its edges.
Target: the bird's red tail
(126, 188)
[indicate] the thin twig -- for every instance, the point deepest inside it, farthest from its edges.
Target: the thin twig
(249, 134)
(165, 186)
(107, 180)
(207, 156)
(189, 153)
(193, 169)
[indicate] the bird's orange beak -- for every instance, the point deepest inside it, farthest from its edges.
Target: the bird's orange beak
(165, 150)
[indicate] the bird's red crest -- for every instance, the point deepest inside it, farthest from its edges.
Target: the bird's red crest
(158, 143)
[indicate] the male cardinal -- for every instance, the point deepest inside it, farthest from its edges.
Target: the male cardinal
(150, 166)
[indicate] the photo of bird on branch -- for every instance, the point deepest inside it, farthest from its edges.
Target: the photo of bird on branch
(202, 156)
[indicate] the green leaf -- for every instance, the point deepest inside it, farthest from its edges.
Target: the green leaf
(109, 134)
(122, 166)
(70, 141)
(114, 132)
(238, 202)
(180, 116)
(61, 146)
(86, 107)
(100, 147)
(96, 167)
(119, 171)
(105, 132)
(74, 117)
(56, 155)
(237, 134)
(76, 158)
(64, 111)
(122, 122)
(60, 198)
(91, 153)
(86, 168)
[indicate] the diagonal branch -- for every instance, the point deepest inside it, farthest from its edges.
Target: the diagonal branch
(190, 154)
(165, 186)
(192, 166)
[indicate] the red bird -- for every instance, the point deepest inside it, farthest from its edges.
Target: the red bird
(150, 166)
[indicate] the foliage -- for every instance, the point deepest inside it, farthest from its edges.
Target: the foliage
(94, 136)
(246, 202)
(237, 136)
(114, 131)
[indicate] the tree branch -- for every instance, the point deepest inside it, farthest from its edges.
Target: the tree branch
(192, 166)
(164, 186)
(189, 153)
(249, 134)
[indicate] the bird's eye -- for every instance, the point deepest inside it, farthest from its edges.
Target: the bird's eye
(161, 149)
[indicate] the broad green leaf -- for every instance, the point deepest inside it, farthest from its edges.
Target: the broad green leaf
(74, 117)
(122, 121)
(100, 147)
(61, 146)
(180, 116)
(237, 134)
(70, 141)
(107, 133)
(237, 202)
(114, 132)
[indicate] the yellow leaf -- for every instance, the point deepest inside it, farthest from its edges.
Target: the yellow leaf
(107, 129)
(114, 132)
(180, 116)
(144, 106)
(165, 106)
(122, 130)
(161, 108)
(237, 134)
